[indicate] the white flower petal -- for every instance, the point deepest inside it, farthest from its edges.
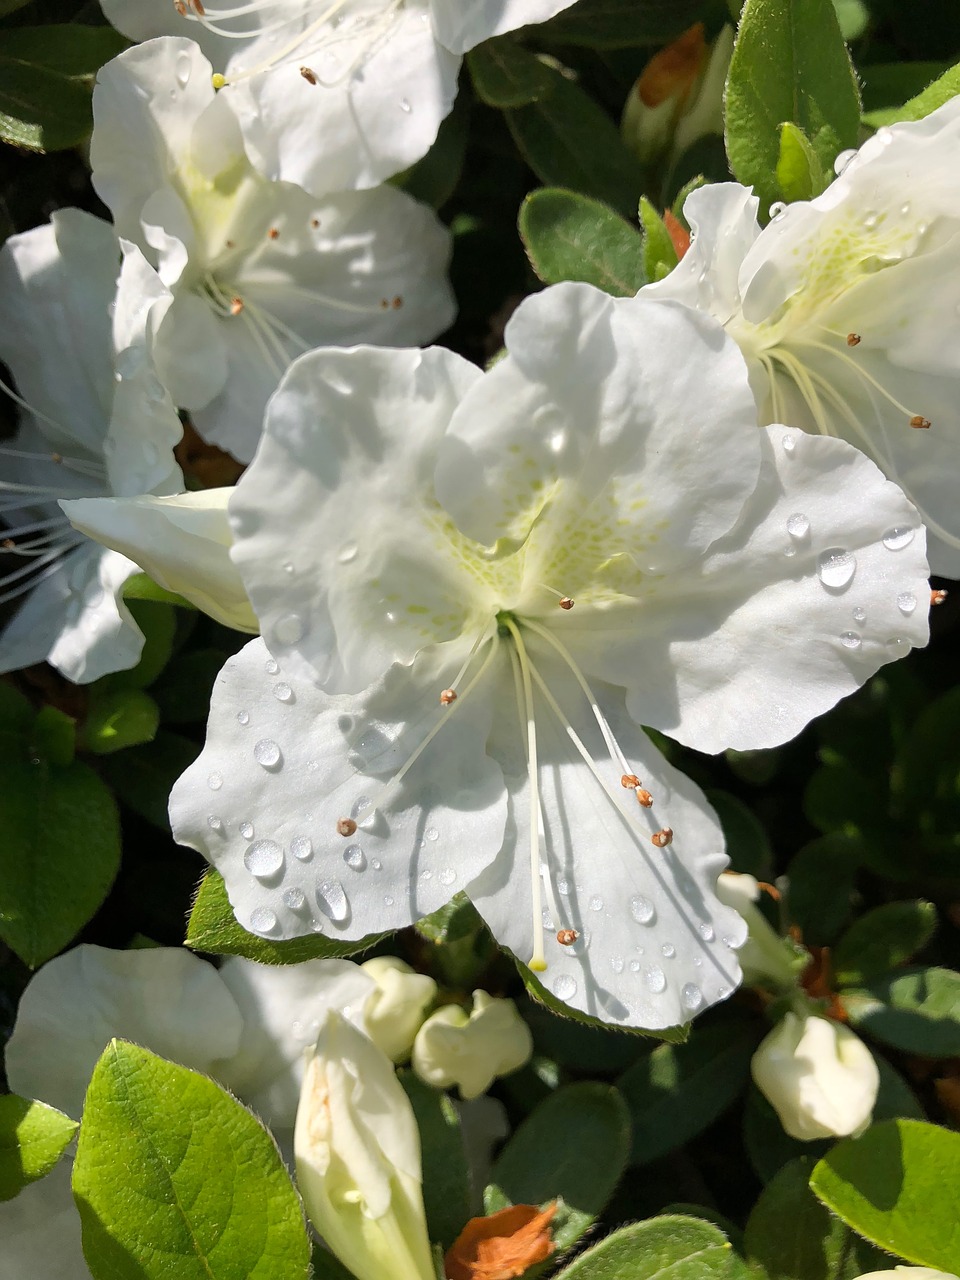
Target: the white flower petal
(460, 27)
(40, 1229)
(284, 763)
(190, 353)
(97, 632)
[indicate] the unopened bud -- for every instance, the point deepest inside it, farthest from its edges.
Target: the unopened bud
(394, 1013)
(470, 1052)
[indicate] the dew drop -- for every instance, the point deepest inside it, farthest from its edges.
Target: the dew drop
(789, 441)
(596, 904)
(564, 987)
(655, 979)
(376, 864)
(898, 647)
(128, 363)
(243, 718)
(263, 858)
(547, 920)
(266, 753)
(214, 823)
(447, 875)
(616, 964)
(347, 552)
(836, 567)
(842, 160)
(246, 830)
(668, 950)
(294, 898)
(635, 966)
(289, 628)
(563, 886)
(262, 920)
(906, 602)
(850, 640)
(354, 857)
(331, 899)
(690, 995)
(898, 537)
(302, 848)
(183, 69)
(405, 106)
(288, 567)
(215, 781)
(859, 615)
(431, 833)
(387, 900)
(282, 692)
(642, 910)
(798, 526)
(426, 875)
(777, 209)
(271, 666)
(361, 803)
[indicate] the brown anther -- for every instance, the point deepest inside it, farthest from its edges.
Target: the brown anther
(629, 780)
(921, 423)
(346, 826)
(567, 937)
(180, 7)
(56, 457)
(937, 596)
(308, 75)
(662, 838)
(230, 244)
(314, 222)
(8, 544)
(385, 304)
(397, 303)
(448, 696)
(770, 890)
(853, 339)
(273, 233)
(198, 8)
(236, 306)
(644, 797)
(565, 602)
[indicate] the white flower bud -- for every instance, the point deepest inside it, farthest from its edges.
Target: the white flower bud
(765, 958)
(908, 1273)
(357, 1151)
(470, 1052)
(820, 1078)
(394, 1013)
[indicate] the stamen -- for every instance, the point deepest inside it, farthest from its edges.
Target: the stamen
(566, 603)
(860, 371)
(628, 780)
(447, 696)
(346, 827)
(922, 423)
(663, 837)
(236, 306)
(567, 937)
(521, 668)
(853, 339)
(937, 596)
(274, 233)
(308, 75)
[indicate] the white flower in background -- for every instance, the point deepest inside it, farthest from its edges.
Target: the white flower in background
(767, 960)
(471, 1050)
(334, 95)
(259, 270)
(96, 421)
(394, 1013)
(845, 308)
(357, 1151)
(819, 1077)
(908, 1273)
(183, 543)
(589, 537)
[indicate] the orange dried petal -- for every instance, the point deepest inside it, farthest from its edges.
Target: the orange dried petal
(503, 1245)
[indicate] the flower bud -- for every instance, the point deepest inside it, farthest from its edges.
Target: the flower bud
(819, 1077)
(767, 960)
(394, 1013)
(357, 1152)
(470, 1052)
(678, 97)
(908, 1273)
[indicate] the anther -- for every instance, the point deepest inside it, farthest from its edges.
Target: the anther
(217, 80)
(198, 8)
(397, 303)
(385, 304)
(920, 422)
(645, 798)
(236, 306)
(662, 838)
(628, 780)
(230, 244)
(308, 75)
(448, 696)
(315, 223)
(274, 233)
(180, 7)
(565, 602)
(567, 937)
(8, 544)
(56, 457)
(853, 339)
(937, 596)
(346, 826)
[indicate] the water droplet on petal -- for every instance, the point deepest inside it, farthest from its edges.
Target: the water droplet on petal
(271, 666)
(564, 987)
(906, 602)
(387, 900)
(431, 833)
(263, 858)
(642, 910)
(447, 875)
(183, 69)
(376, 864)
(129, 362)
(898, 537)
(706, 931)
(842, 160)
(262, 920)
(243, 718)
(596, 904)
(215, 781)
(288, 629)
(836, 567)
(405, 106)
(691, 996)
(282, 692)
(635, 966)
(656, 979)
(898, 646)
(859, 615)
(777, 209)
(668, 950)
(789, 441)
(294, 898)
(266, 753)
(361, 803)
(850, 640)
(215, 824)
(347, 552)
(798, 526)
(616, 964)
(563, 886)
(354, 857)
(332, 900)
(302, 848)
(246, 830)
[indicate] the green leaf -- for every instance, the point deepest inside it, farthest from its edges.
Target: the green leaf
(789, 65)
(69, 48)
(158, 622)
(505, 75)
(659, 255)
(17, 714)
(897, 1185)
(183, 690)
(571, 237)
(33, 1137)
(799, 171)
(673, 1093)
(140, 586)
(59, 854)
(663, 1248)
(573, 1146)
(40, 109)
(881, 940)
(889, 84)
(213, 927)
(935, 95)
(791, 1236)
(568, 141)
(143, 777)
(853, 16)
(917, 1011)
(822, 877)
(616, 24)
(748, 846)
(173, 1177)
(54, 736)
(446, 1184)
(119, 718)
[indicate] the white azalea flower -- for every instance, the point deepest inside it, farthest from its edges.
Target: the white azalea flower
(259, 270)
(334, 95)
(97, 420)
(432, 715)
(845, 309)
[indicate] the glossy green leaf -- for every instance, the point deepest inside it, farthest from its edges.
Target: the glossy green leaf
(789, 65)
(446, 1182)
(572, 237)
(70, 48)
(213, 927)
(33, 1137)
(944, 88)
(158, 622)
(898, 1185)
(506, 75)
(748, 845)
(614, 24)
(41, 110)
(659, 255)
(822, 878)
(142, 777)
(53, 736)
(917, 1011)
(674, 1092)
(887, 85)
(140, 586)
(664, 1248)
(573, 1146)
(174, 1178)
(881, 940)
(119, 718)
(799, 171)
